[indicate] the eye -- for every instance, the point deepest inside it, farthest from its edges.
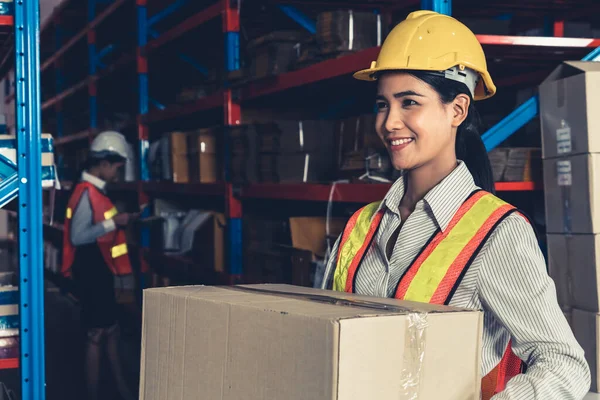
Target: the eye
(409, 103)
(380, 105)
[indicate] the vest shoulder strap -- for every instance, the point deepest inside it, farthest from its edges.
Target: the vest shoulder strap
(442, 263)
(357, 236)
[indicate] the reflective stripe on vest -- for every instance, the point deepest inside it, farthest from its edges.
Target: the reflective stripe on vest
(118, 250)
(440, 266)
(110, 213)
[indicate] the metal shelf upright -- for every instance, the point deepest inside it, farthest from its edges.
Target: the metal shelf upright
(28, 125)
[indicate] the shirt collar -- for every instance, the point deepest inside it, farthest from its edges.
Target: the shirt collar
(94, 180)
(443, 200)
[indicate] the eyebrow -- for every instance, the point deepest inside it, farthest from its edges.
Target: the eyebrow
(401, 94)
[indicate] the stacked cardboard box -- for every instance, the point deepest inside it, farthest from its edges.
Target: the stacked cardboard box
(359, 149)
(569, 101)
(295, 151)
(516, 164)
(285, 342)
(243, 148)
(204, 155)
(348, 30)
(274, 53)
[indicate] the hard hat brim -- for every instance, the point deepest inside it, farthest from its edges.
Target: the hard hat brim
(481, 92)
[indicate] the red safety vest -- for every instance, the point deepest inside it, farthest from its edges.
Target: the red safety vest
(440, 266)
(113, 245)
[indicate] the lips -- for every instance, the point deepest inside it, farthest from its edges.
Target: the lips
(399, 143)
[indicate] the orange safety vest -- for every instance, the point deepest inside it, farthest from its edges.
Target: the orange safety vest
(113, 245)
(440, 266)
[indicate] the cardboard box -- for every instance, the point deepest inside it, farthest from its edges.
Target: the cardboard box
(290, 343)
(569, 104)
(569, 187)
(179, 157)
(585, 327)
(524, 164)
(573, 262)
(203, 156)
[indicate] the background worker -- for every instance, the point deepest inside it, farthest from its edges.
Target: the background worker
(94, 253)
(436, 236)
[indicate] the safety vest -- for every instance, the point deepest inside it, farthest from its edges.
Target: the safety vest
(113, 245)
(440, 266)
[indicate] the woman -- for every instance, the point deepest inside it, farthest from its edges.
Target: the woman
(94, 252)
(437, 236)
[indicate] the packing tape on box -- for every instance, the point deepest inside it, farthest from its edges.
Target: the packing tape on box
(414, 344)
(414, 355)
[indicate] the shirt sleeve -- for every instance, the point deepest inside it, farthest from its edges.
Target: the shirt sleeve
(83, 229)
(327, 282)
(514, 285)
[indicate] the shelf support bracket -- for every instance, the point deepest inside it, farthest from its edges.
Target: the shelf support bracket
(300, 18)
(165, 12)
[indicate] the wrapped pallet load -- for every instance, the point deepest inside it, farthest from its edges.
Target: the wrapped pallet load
(348, 30)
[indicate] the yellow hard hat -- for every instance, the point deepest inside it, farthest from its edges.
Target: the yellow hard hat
(428, 41)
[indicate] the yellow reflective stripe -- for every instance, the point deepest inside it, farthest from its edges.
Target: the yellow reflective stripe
(110, 213)
(435, 267)
(352, 245)
(69, 213)
(118, 250)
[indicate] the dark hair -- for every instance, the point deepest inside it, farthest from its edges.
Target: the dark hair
(94, 160)
(469, 146)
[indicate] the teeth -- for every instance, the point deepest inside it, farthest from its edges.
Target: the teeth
(398, 142)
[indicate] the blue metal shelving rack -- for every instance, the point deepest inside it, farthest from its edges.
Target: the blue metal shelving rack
(29, 178)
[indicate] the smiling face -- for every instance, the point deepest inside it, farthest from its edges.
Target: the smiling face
(415, 126)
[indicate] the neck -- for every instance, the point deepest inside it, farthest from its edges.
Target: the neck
(420, 181)
(94, 171)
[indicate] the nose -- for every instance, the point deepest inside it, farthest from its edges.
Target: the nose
(393, 121)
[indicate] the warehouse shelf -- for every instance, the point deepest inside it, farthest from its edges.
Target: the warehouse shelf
(9, 363)
(79, 136)
(345, 192)
(83, 33)
(212, 101)
(185, 26)
(203, 189)
(83, 84)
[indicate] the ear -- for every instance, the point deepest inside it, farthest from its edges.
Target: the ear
(460, 109)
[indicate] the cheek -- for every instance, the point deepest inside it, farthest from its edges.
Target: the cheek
(379, 124)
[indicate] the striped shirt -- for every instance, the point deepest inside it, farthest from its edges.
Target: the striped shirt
(507, 280)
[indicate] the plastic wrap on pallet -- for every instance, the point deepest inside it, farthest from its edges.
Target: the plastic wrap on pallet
(8, 150)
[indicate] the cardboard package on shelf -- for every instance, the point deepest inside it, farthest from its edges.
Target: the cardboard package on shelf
(274, 53)
(285, 342)
(204, 156)
(343, 31)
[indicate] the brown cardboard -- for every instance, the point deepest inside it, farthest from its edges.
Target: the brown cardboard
(573, 262)
(309, 233)
(569, 104)
(222, 343)
(179, 159)
(569, 187)
(203, 155)
(585, 327)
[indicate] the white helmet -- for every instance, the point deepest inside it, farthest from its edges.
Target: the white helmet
(109, 143)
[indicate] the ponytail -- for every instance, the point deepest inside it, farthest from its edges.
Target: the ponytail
(471, 150)
(469, 147)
